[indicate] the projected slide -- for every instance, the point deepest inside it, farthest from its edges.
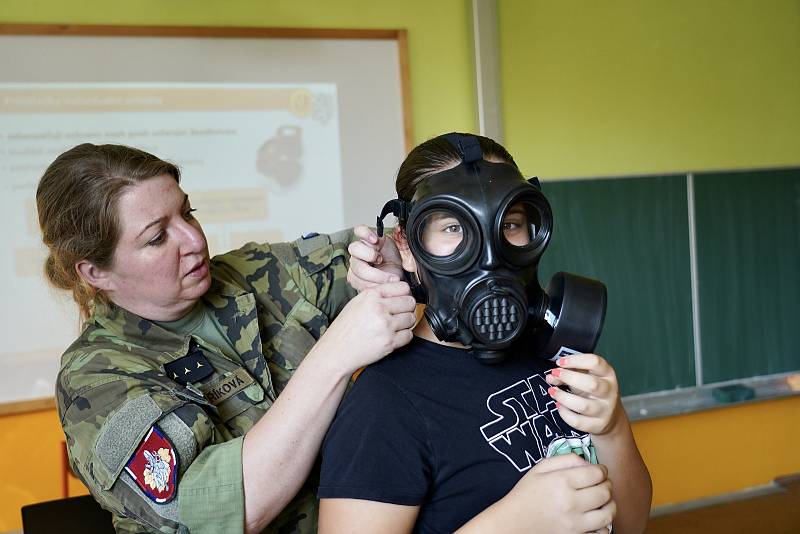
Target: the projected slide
(261, 162)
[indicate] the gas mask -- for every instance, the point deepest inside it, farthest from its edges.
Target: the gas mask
(477, 232)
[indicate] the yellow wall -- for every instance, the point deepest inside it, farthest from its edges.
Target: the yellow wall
(721, 450)
(589, 88)
(641, 86)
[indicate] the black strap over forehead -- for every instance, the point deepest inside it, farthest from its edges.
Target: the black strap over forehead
(467, 145)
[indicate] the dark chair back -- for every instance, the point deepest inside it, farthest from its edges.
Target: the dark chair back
(74, 515)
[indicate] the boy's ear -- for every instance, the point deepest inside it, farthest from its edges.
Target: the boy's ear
(400, 239)
(93, 275)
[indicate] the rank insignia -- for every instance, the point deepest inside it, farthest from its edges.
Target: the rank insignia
(193, 367)
(153, 467)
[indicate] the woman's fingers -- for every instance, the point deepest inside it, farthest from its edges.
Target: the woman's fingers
(576, 403)
(400, 304)
(587, 476)
(365, 233)
(555, 463)
(585, 383)
(368, 265)
(363, 251)
(589, 402)
(575, 419)
(595, 496)
(362, 275)
(397, 289)
(599, 519)
(404, 321)
(372, 324)
(592, 363)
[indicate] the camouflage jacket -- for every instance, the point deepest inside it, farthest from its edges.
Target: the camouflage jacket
(273, 302)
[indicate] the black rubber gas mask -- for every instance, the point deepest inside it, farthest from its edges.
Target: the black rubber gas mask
(477, 232)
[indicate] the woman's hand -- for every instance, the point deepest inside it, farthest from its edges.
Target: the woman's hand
(562, 494)
(373, 260)
(279, 451)
(592, 403)
(373, 324)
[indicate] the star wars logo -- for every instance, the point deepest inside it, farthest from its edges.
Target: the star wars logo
(525, 422)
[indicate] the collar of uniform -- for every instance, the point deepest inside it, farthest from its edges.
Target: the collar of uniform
(135, 330)
(123, 327)
(127, 325)
(222, 288)
(235, 310)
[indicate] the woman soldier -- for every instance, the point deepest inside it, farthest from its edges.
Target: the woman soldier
(197, 395)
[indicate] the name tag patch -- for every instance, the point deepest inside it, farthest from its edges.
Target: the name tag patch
(227, 386)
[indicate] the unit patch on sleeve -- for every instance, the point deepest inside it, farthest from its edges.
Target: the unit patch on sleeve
(153, 467)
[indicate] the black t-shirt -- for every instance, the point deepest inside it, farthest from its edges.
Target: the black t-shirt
(430, 425)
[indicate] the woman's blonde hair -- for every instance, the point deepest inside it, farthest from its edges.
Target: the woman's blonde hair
(77, 202)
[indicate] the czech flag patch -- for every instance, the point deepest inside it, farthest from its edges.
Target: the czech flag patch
(153, 467)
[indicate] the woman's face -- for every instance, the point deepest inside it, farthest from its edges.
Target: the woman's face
(160, 267)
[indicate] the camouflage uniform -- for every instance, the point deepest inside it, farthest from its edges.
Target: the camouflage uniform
(273, 302)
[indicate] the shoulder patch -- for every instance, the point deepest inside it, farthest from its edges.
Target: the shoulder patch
(154, 467)
(307, 245)
(344, 237)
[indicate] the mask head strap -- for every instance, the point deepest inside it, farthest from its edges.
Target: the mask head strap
(467, 145)
(400, 208)
(397, 207)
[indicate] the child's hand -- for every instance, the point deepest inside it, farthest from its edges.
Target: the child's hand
(593, 405)
(559, 495)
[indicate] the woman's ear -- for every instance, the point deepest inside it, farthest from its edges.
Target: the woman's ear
(93, 275)
(408, 262)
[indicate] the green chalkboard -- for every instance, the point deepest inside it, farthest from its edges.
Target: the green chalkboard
(633, 234)
(748, 259)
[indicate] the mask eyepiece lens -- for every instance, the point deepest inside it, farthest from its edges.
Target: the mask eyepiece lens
(521, 224)
(441, 232)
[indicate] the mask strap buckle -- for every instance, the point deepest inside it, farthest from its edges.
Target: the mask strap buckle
(468, 147)
(397, 207)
